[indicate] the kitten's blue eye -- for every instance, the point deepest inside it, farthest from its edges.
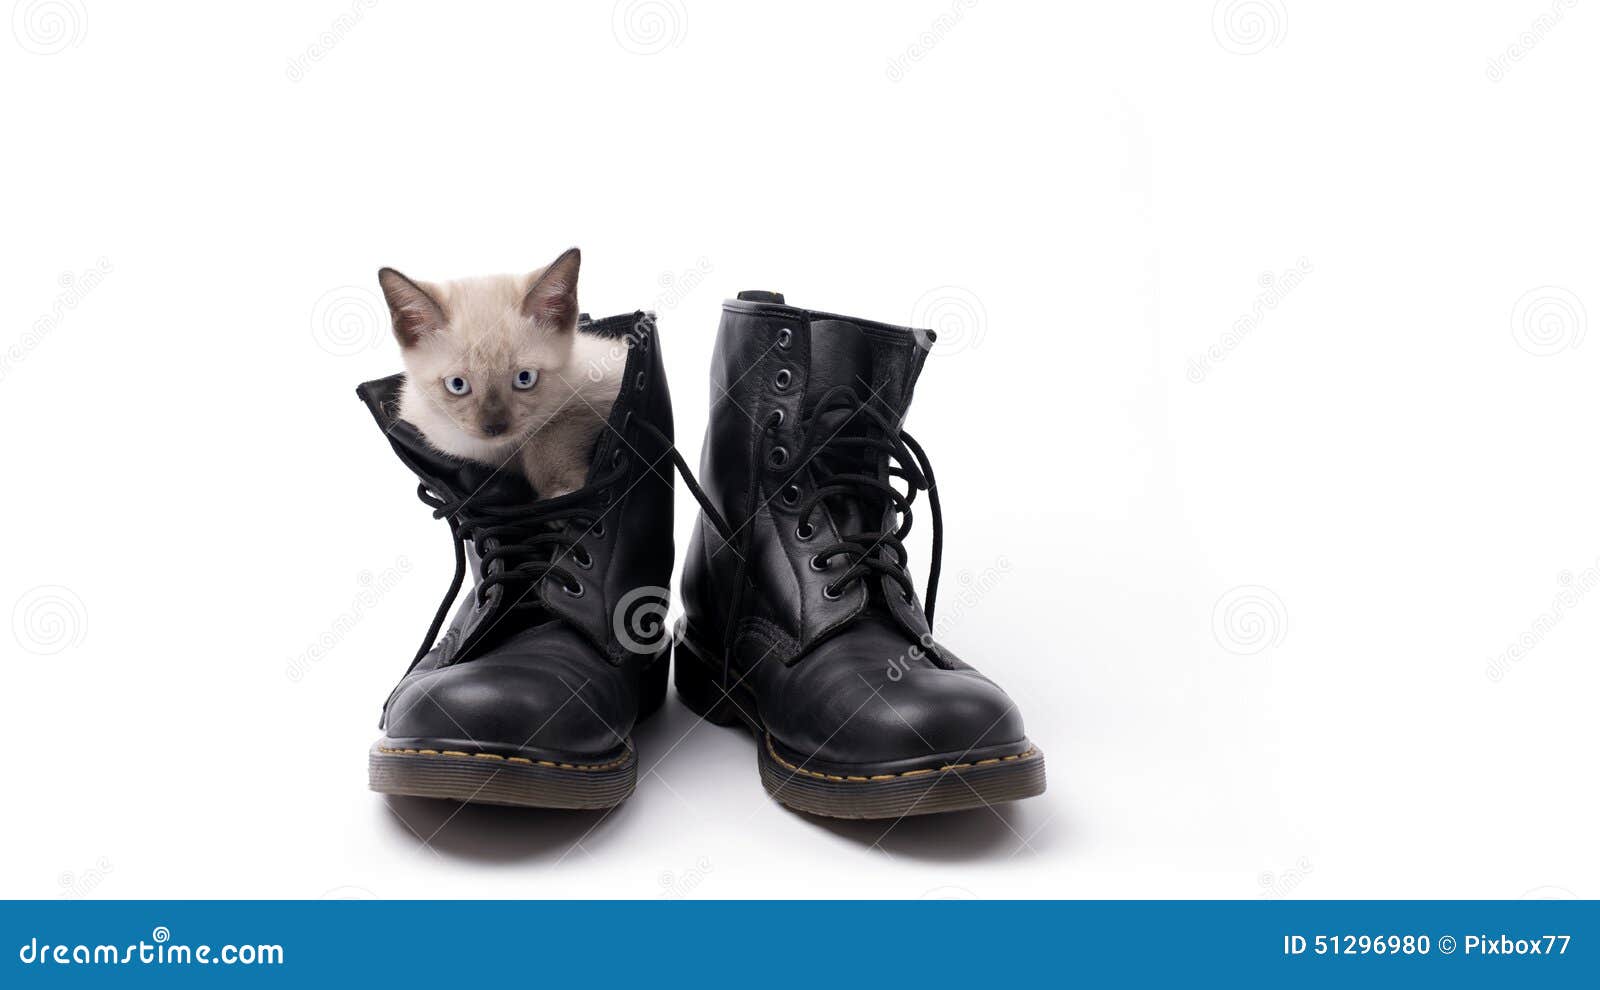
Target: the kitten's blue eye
(456, 385)
(525, 380)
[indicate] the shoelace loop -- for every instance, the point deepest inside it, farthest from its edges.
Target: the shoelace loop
(534, 540)
(531, 541)
(858, 465)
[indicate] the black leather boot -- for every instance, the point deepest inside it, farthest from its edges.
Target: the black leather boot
(530, 695)
(806, 626)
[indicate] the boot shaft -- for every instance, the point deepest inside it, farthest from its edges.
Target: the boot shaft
(790, 388)
(621, 524)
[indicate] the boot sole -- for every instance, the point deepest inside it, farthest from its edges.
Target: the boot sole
(494, 778)
(946, 782)
(508, 776)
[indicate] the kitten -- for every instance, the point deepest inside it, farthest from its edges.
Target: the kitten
(496, 370)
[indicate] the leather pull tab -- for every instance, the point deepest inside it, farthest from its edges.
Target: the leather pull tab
(759, 295)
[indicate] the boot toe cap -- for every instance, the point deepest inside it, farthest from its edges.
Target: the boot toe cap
(925, 715)
(502, 705)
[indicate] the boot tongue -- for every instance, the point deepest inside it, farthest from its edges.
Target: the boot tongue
(844, 354)
(877, 362)
(841, 354)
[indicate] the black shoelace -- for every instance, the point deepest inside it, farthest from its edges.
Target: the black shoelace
(535, 540)
(855, 463)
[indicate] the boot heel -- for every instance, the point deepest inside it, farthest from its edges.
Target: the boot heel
(653, 684)
(697, 686)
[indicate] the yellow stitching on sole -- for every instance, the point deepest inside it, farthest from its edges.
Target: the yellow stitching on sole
(509, 759)
(891, 776)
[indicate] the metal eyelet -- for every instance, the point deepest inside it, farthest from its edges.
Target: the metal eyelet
(817, 563)
(804, 531)
(638, 381)
(618, 457)
(584, 561)
(598, 530)
(778, 456)
(831, 593)
(575, 589)
(782, 379)
(791, 495)
(785, 337)
(774, 419)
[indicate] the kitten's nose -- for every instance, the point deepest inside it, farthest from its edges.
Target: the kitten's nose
(496, 428)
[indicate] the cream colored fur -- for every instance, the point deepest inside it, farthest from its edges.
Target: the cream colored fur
(486, 330)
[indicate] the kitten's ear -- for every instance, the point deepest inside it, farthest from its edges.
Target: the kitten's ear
(413, 310)
(553, 299)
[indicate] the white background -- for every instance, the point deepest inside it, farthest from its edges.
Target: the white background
(1257, 582)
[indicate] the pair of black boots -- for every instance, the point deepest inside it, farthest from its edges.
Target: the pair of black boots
(801, 619)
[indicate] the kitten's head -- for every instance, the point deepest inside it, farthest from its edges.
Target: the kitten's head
(479, 352)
